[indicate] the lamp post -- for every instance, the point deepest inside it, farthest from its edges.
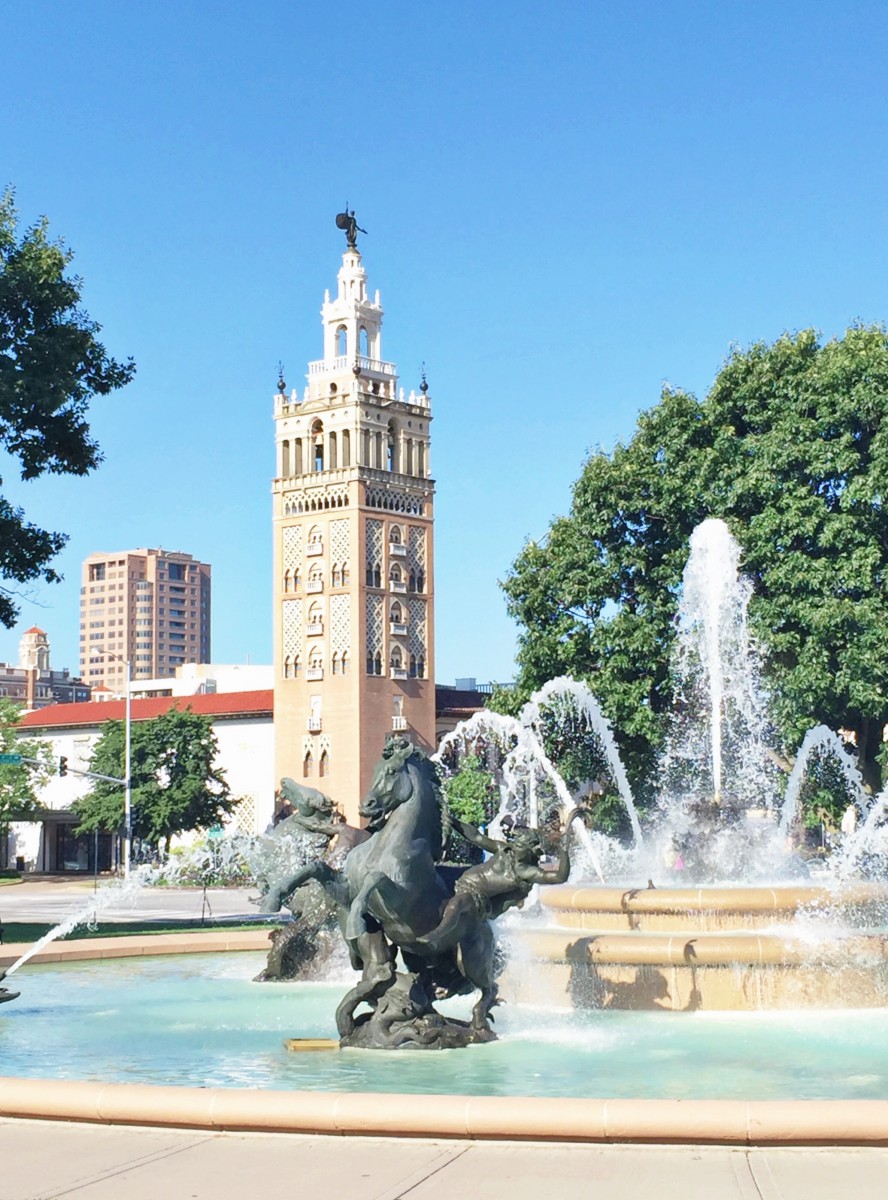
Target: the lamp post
(127, 764)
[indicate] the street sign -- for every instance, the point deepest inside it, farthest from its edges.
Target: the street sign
(10, 758)
(214, 832)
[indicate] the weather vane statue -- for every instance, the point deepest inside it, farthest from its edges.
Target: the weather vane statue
(346, 220)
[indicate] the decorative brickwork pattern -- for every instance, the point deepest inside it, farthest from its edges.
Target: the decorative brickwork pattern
(292, 548)
(375, 605)
(417, 630)
(340, 623)
(399, 502)
(416, 548)
(292, 628)
(339, 549)
(374, 542)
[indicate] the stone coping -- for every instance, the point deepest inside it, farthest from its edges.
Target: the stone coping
(725, 1122)
(137, 945)
(704, 949)
(788, 898)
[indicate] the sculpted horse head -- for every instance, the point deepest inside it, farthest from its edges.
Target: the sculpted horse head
(404, 774)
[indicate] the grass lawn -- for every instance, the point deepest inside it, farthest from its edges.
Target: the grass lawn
(32, 931)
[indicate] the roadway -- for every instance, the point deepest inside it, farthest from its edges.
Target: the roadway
(52, 899)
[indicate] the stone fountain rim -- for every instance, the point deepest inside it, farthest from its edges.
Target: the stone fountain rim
(733, 898)
(471, 1118)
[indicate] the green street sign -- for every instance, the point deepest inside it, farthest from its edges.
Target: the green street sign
(10, 758)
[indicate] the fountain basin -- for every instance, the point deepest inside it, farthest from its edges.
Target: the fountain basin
(688, 950)
(605, 1076)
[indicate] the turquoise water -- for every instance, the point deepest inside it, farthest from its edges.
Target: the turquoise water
(200, 1020)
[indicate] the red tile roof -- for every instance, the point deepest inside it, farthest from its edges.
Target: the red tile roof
(217, 704)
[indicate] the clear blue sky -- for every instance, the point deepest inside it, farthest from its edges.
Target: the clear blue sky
(568, 204)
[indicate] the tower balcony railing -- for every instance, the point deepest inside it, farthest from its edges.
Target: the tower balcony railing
(314, 585)
(345, 362)
(313, 549)
(398, 628)
(399, 586)
(313, 724)
(314, 628)
(399, 724)
(313, 673)
(397, 550)
(399, 672)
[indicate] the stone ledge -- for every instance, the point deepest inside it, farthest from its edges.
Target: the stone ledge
(727, 1122)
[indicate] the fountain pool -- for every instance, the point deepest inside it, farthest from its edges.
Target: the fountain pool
(198, 1020)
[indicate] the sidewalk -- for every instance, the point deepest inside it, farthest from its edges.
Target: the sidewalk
(42, 1161)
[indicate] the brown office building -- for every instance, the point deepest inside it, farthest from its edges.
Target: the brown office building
(150, 608)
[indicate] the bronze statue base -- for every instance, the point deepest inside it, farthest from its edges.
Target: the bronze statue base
(404, 1019)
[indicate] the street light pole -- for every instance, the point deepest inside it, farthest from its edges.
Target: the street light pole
(127, 772)
(127, 763)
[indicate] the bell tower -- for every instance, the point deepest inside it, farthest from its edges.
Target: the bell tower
(353, 553)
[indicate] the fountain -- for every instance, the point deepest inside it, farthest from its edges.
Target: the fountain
(707, 929)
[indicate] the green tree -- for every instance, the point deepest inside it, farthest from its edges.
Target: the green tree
(472, 796)
(20, 783)
(51, 365)
(175, 785)
(790, 448)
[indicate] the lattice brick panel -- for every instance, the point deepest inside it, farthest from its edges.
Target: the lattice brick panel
(340, 621)
(292, 547)
(418, 628)
(243, 819)
(416, 551)
(339, 552)
(374, 624)
(292, 627)
(374, 542)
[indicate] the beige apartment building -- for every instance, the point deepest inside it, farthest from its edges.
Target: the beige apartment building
(353, 556)
(150, 608)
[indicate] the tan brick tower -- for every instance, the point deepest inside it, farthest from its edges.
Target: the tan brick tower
(353, 556)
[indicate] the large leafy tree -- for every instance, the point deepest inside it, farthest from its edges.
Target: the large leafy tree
(20, 783)
(51, 365)
(790, 447)
(175, 785)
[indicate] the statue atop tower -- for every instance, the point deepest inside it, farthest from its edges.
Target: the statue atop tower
(346, 220)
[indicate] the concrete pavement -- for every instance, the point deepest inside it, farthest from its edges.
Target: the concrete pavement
(54, 898)
(46, 1160)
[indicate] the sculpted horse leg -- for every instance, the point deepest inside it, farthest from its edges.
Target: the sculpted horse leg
(331, 880)
(476, 951)
(378, 958)
(356, 922)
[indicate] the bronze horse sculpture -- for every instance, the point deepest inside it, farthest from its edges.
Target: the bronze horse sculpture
(392, 898)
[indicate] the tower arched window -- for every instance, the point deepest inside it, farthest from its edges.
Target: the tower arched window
(287, 667)
(334, 663)
(395, 615)
(391, 448)
(377, 664)
(397, 658)
(346, 448)
(286, 581)
(377, 450)
(285, 459)
(365, 448)
(420, 580)
(412, 666)
(395, 536)
(411, 582)
(345, 662)
(345, 574)
(396, 575)
(324, 764)
(336, 575)
(317, 445)
(332, 452)
(420, 459)
(341, 341)
(408, 456)
(296, 666)
(363, 342)
(307, 765)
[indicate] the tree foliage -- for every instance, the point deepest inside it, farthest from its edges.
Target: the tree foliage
(175, 785)
(51, 365)
(472, 796)
(20, 783)
(790, 448)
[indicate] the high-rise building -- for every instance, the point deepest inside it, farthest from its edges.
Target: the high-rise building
(150, 608)
(353, 586)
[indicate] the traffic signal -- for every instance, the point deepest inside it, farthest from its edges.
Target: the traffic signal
(63, 765)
